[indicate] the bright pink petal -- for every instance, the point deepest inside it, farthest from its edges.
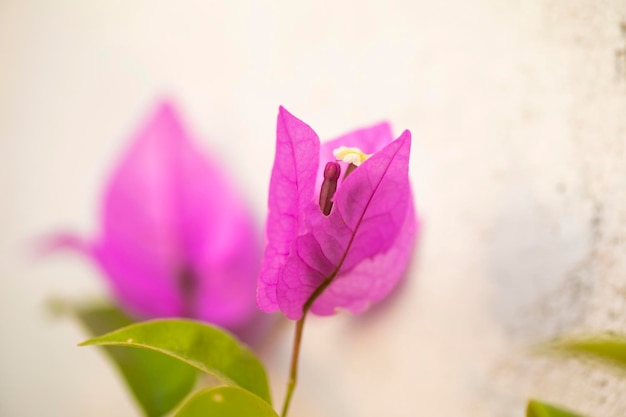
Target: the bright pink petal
(219, 239)
(372, 279)
(371, 206)
(140, 281)
(304, 271)
(176, 238)
(140, 244)
(291, 190)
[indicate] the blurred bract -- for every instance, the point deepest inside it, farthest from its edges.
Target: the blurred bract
(176, 239)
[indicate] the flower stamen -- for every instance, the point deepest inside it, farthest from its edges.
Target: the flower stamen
(352, 156)
(332, 170)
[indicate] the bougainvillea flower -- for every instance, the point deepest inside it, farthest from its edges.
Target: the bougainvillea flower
(176, 239)
(342, 213)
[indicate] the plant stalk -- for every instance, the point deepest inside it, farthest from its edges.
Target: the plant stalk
(297, 340)
(293, 368)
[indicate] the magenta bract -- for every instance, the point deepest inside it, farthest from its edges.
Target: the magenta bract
(366, 240)
(176, 239)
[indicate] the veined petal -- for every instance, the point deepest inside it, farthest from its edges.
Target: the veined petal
(291, 189)
(374, 278)
(305, 270)
(371, 207)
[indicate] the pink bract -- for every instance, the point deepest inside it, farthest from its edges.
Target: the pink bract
(176, 239)
(366, 240)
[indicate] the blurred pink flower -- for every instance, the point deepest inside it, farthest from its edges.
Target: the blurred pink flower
(349, 234)
(176, 239)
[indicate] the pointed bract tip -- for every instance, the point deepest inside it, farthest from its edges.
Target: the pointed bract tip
(285, 114)
(165, 109)
(164, 123)
(406, 135)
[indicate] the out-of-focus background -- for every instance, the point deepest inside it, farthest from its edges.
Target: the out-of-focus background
(518, 111)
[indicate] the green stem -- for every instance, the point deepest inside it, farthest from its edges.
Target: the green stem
(293, 369)
(297, 340)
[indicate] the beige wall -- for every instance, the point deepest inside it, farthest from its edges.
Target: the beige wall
(518, 112)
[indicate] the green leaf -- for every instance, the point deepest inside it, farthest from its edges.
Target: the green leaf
(226, 402)
(608, 348)
(205, 347)
(143, 370)
(537, 408)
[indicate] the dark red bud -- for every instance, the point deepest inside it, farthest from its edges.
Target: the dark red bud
(332, 171)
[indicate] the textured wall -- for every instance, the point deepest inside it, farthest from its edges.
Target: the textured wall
(519, 117)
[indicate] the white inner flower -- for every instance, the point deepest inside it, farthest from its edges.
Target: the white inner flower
(353, 156)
